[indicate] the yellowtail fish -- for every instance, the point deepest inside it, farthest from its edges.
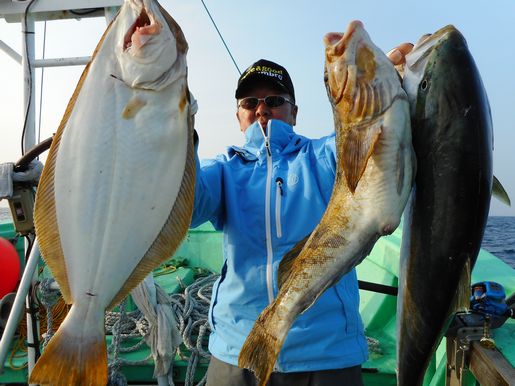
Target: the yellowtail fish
(447, 215)
(374, 173)
(116, 194)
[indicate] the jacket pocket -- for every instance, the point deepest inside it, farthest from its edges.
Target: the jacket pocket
(348, 295)
(278, 200)
(214, 295)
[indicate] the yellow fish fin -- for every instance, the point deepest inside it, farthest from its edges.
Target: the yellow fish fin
(72, 360)
(261, 348)
(358, 146)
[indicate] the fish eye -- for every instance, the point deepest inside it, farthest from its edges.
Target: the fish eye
(423, 85)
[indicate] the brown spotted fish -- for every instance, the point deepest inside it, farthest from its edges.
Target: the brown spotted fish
(374, 173)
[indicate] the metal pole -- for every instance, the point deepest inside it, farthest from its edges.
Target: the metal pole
(29, 140)
(17, 308)
(31, 334)
(9, 51)
(29, 90)
(60, 62)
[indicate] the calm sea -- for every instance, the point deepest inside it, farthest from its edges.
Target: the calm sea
(499, 236)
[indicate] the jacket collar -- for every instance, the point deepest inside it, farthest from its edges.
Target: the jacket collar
(279, 135)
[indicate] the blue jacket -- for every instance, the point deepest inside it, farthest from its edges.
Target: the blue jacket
(265, 201)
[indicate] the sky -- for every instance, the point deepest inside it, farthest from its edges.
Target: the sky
(287, 32)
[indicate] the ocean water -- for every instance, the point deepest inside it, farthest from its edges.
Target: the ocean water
(499, 237)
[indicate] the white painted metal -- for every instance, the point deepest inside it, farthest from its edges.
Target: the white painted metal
(60, 62)
(53, 9)
(9, 51)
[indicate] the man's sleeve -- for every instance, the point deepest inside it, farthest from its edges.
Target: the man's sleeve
(208, 204)
(328, 151)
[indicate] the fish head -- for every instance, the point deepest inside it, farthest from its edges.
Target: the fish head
(354, 74)
(448, 102)
(421, 62)
(150, 46)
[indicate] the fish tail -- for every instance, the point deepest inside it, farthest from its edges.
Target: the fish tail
(261, 348)
(74, 356)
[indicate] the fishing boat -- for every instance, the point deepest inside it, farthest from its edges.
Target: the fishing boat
(188, 275)
(201, 252)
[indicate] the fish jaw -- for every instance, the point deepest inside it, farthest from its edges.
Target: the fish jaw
(148, 55)
(141, 32)
(362, 85)
(356, 72)
(338, 53)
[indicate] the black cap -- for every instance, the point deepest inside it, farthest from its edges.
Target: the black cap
(265, 71)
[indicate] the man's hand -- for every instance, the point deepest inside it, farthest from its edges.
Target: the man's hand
(398, 55)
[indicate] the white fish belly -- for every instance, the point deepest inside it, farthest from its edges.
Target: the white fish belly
(116, 180)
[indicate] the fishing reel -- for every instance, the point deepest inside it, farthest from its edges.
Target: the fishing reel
(25, 178)
(21, 204)
(489, 309)
(489, 298)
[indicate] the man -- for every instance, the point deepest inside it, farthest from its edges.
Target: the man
(266, 196)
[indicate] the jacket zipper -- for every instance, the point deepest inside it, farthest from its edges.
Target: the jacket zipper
(278, 200)
(268, 225)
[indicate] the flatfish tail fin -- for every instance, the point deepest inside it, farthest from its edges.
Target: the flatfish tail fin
(261, 348)
(70, 359)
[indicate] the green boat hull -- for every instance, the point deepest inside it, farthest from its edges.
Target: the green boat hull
(202, 248)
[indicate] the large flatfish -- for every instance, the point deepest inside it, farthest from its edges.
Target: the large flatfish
(116, 194)
(374, 174)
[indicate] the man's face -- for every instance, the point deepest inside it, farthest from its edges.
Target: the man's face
(262, 113)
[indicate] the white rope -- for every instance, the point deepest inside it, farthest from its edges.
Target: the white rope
(190, 310)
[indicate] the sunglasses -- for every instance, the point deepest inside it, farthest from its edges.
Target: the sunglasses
(272, 101)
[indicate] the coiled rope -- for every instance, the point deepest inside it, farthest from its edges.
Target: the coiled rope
(190, 308)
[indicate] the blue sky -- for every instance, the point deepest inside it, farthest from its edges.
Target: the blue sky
(290, 33)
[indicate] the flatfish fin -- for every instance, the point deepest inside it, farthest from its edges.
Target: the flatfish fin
(45, 215)
(67, 361)
(358, 146)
